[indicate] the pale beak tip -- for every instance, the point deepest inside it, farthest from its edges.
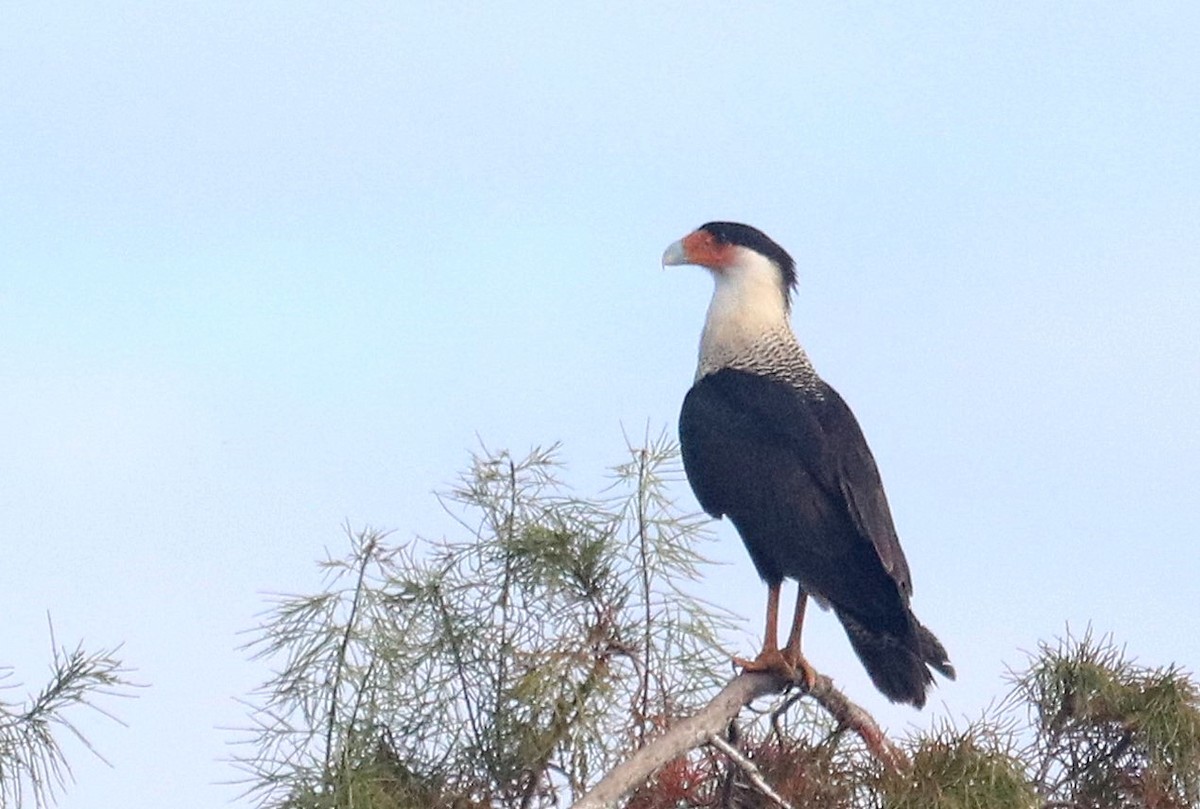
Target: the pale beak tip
(675, 254)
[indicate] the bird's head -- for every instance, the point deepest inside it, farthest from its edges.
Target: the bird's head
(737, 255)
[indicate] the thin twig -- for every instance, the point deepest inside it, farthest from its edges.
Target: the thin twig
(460, 666)
(507, 535)
(340, 664)
(645, 565)
(1082, 767)
(748, 767)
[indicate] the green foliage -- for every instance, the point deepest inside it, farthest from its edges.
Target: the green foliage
(971, 769)
(1109, 732)
(516, 665)
(33, 764)
(1083, 728)
(495, 670)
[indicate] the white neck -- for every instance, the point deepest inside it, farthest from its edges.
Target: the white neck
(747, 305)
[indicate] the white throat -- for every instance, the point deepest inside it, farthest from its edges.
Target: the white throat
(747, 307)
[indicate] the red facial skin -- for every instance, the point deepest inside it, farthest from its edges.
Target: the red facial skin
(703, 248)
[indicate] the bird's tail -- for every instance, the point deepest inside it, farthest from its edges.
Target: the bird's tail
(899, 666)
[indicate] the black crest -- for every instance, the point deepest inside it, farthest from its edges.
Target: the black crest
(754, 239)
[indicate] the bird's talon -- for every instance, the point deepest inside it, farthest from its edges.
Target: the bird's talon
(768, 663)
(806, 675)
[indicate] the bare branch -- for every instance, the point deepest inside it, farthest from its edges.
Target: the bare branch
(681, 737)
(853, 716)
(713, 718)
(752, 772)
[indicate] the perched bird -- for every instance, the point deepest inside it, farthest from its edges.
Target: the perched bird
(768, 444)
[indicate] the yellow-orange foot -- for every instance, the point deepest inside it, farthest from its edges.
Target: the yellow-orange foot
(803, 672)
(770, 662)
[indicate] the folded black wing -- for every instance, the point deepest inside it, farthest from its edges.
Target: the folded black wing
(740, 432)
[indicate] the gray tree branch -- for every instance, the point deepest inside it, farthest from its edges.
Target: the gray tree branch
(712, 720)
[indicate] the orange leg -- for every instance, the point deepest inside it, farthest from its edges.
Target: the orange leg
(788, 663)
(792, 654)
(770, 635)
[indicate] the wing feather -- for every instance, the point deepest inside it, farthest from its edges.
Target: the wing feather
(732, 411)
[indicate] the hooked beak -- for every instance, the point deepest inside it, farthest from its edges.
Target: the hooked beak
(675, 254)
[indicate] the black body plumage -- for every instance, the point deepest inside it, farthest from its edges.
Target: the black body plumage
(771, 446)
(791, 469)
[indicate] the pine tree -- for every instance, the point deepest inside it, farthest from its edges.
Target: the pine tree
(559, 644)
(33, 763)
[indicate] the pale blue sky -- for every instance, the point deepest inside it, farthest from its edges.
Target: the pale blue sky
(268, 267)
